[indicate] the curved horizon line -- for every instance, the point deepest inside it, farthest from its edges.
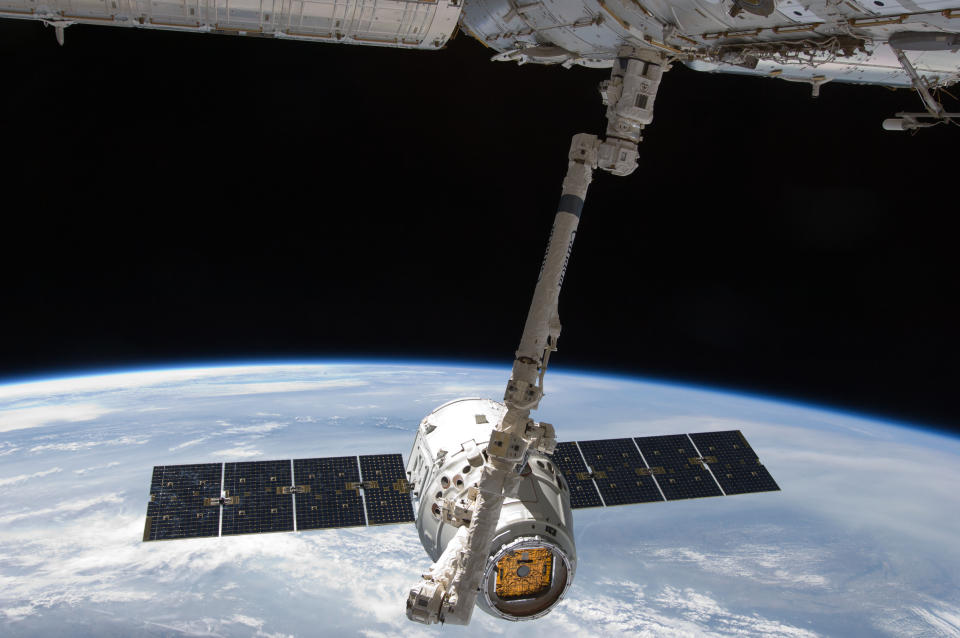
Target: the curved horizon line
(561, 370)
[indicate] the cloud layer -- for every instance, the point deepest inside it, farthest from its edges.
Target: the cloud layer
(861, 542)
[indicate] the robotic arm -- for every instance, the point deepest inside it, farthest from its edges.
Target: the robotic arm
(448, 592)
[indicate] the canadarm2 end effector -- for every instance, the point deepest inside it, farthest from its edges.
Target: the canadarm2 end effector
(629, 95)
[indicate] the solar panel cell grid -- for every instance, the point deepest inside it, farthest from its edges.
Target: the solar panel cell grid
(261, 505)
(583, 492)
(737, 467)
(620, 472)
(386, 492)
(333, 495)
(153, 507)
(177, 508)
(677, 467)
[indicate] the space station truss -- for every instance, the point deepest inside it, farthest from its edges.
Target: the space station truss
(256, 497)
(648, 469)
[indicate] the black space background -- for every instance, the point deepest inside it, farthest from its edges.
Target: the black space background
(173, 199)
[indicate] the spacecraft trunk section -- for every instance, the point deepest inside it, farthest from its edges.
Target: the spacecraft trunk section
(531, 560)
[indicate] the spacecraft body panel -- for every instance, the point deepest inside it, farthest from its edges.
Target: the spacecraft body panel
(392, 23)
(532, 557)
(817, 41)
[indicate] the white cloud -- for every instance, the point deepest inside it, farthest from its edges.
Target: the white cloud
(75, 446)
(188, 443)
(782, 565)
(93, 555)
(96, 467)
(623, 609)
(256, 429)
(67, 395)
(17, 613)
(218, 627)
(98, 555)
(108, 383)
(270, 387)
(33, 417)
(710, 614)
(946, 621)
(460, 390)
(62, 507)
(253, 623)
(260, 428)
(13, 480)
(246, 620)
(241, 451)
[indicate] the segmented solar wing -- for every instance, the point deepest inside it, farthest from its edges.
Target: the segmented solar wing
(330, 495)
(258, 497)
(677, 467)
(734, 463)
(386, 493)
(668, 467)
(621, 474)
(262, 500)
(184, 502)
(255, 497)
(582, 489)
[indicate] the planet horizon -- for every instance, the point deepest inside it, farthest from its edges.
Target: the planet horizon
(861, 541)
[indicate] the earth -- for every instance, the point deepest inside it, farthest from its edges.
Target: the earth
(861, 541)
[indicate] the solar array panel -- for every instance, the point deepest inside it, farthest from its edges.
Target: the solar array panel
(734, 463)
(257, 497)
(661, 468)
(180, 502)
(621, 474)
(330, 495)
(386, 492)
(263, 504)
(582, 489)
(677, 467)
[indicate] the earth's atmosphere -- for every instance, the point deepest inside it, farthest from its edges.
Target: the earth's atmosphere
(862, 541)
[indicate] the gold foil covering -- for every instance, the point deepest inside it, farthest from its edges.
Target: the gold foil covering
(524, 574)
